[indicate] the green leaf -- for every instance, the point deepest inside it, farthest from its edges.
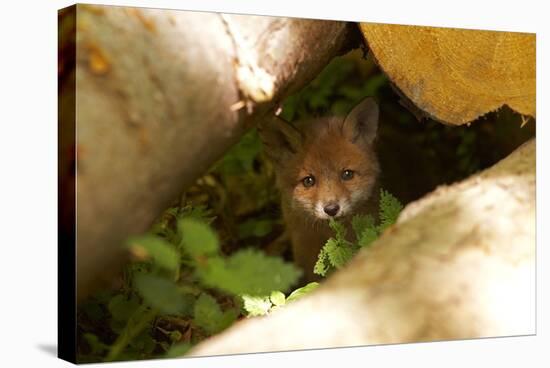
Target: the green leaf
(390, 207)
(188, 303)
(256, 305)
(212, 271)
(367, 237)
(178, 350)
(322, 265)
(277, 298)
(160, 293)
(298, 293)
(338, 228)
(96, 346)
(256, 228)
(249, 271)
(208, 313)
(229, 316)
(197, 237)
(163, 253)
(209, 316)
(259, 274)
(175, 335)
(121, 308)
(240, 159)
(360, 223)
(338, 255)
(143, 342)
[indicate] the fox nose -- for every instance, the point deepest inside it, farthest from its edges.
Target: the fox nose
(332, 209)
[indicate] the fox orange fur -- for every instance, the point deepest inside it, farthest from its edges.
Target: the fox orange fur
(325, 168)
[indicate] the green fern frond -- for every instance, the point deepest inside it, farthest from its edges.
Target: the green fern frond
(390, 207)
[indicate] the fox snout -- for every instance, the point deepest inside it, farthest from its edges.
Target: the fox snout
(331, 209)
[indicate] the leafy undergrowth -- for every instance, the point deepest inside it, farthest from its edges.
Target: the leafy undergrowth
(181, 289)
(338, 250)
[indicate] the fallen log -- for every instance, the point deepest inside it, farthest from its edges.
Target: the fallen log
(459, 263)
(161, 96)
(456, 75)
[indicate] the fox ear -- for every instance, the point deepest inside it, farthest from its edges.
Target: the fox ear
(280, 138)
(362, 122)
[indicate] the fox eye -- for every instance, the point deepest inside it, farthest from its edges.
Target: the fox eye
(308, 181)
(347, 174)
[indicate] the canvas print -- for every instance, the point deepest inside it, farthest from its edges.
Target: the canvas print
(244, 183)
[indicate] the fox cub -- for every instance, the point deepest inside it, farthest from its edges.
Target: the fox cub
(325, 168)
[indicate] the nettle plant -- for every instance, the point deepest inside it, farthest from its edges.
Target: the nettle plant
(338, 250)
(180, 281)
(335, 254)
(209, 290)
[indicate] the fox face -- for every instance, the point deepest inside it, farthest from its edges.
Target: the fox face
(326, 168)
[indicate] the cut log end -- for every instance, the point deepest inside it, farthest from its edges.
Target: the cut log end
(457, 75)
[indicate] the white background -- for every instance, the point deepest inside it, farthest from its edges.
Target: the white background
(28, 193)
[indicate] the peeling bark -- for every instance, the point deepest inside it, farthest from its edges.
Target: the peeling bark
(161, 95)
(459, 263)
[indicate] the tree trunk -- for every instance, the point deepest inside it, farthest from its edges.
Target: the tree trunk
(161, 95)
(459, 263)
